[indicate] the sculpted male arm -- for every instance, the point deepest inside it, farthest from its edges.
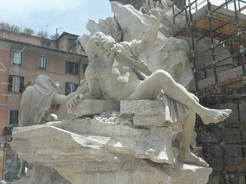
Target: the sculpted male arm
(151, 34)
(93, 85)
(62, 99)
(93, 81)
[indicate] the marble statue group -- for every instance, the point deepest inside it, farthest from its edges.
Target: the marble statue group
(116, 73)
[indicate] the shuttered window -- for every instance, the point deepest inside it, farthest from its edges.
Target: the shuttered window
(42, 62)
(13, 117)
(70, 87)
(17, 58)
(16, 83)
(71, 68)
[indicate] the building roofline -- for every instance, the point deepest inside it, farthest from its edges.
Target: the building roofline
(22, 34)
(65, 33)
(33, 45)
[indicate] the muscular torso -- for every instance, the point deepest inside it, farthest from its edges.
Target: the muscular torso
(117, 79)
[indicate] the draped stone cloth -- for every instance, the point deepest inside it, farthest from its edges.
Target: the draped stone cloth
(174, 111)
(37, 100)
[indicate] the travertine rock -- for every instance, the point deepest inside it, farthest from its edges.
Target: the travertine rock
(159, 113)
(107, 146)
(42, 175)
(92, 107)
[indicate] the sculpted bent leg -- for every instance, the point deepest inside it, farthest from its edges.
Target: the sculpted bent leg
(184, 153)
(161, 80)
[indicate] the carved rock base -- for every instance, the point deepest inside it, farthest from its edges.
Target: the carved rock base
(104, 149)
(151, 173)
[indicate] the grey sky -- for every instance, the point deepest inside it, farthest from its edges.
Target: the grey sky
(47, 15)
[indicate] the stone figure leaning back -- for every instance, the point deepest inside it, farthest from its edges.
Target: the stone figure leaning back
(117, 74)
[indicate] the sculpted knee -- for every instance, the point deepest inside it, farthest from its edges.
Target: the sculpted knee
(162, 75)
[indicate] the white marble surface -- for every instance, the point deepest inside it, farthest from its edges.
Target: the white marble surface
(107, 146)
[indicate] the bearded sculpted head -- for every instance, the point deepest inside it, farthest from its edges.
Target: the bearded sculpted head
(103, 45)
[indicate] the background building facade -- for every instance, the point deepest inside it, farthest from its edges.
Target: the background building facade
(22, 59)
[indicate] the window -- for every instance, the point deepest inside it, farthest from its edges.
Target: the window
(13, 117)
(42, 62)
(72, 68)
(70, 87)
(17, 58)
(16, 83)
(46, 45)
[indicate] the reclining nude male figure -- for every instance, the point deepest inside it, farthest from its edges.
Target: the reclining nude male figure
(117, 74)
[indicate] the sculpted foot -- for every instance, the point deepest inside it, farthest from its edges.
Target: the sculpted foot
(215, 115)
(188, 157)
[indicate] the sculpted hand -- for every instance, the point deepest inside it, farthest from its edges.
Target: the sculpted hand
(72, 103)
(149, 4)
(154, 14)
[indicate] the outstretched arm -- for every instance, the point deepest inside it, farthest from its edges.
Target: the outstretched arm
(93, 83)
(94, 87)
(151, 34)
(61, 99)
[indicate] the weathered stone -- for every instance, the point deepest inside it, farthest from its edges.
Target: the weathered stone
(90, 107)
(149, 113)
(104, 148)
(141, 107)
(148, 121)
(42, 175)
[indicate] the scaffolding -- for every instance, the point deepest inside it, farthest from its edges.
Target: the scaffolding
(220, 81)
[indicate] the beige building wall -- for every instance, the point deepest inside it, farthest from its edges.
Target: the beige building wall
(27, 39)
(64, 49)
(4, 68)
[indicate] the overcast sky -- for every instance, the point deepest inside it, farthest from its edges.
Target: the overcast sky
(47, 15)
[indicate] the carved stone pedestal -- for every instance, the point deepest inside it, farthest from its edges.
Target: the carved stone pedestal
(107, 148)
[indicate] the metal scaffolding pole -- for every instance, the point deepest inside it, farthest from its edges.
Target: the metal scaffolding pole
(221, 92)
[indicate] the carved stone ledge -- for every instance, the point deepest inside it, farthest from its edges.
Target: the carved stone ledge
(90, 107)
(146, 113)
